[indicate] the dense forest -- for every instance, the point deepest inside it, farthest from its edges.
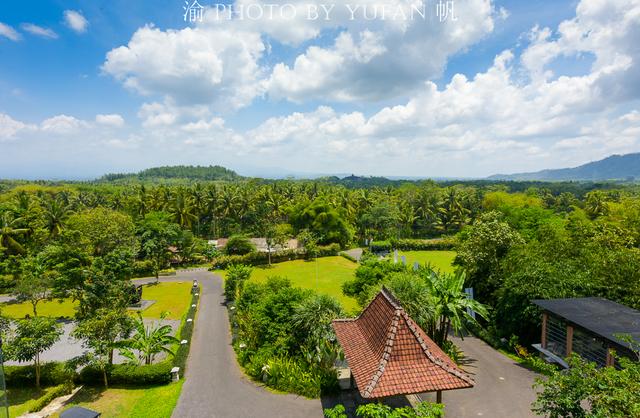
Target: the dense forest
(515, 241)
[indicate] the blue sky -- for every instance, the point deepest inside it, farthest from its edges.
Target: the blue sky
(130, 84)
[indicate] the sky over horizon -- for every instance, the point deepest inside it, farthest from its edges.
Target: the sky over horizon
(462, 88)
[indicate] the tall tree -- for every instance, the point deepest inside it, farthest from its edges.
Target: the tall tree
(33, 336)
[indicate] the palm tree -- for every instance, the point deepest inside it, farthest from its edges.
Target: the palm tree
(181, 210)
(148, 341)
(9, 231)
(55, 213)
(450, 303)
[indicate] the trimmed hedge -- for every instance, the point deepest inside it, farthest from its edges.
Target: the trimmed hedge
(186, 332)
(436, 244)
(51, 374)
(347, 256)
(152, 374)
(380, 246)
(259, 258)
(60, 390)
(126, 374)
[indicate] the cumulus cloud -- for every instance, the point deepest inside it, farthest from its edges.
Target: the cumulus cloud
(76, 21)
(62, 124)
(381, 58)
(10, 128)
(39, 31)
(194, 66)
(113, 120)
(9, 32)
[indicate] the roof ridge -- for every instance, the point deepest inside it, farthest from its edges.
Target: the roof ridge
(386, 354)
(436, 360)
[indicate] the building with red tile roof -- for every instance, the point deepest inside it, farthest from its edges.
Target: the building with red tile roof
(389, 354)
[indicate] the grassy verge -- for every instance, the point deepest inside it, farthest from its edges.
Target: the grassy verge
(21, 399)
(171, 297)
(440, 260)
(331, 273)
(53, 308)
(131, 402)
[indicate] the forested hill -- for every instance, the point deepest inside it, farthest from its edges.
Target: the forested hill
(189, 172)
(616, 167)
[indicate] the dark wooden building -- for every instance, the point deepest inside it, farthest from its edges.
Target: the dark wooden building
(590, 327)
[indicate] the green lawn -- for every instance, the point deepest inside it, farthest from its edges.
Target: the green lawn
(440, 260)
(20, 399)
(332, 272)
(139, 402)
(47, 308)
(171, 297)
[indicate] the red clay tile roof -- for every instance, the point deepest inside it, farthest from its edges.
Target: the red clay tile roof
(389, 354)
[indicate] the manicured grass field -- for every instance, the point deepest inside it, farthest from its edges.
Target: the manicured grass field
(171, 297)
(139, 402)
(332, 272)
(21, 399)
(440, 260)
(51, 308)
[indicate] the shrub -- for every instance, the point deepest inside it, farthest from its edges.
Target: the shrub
(126, 374)
(237, 274)
(142, 268)
(60, 390)
(186, 331)
(347, 256)
(437, 244)
(259, 258)
(380, 246)
(51, 374)
(239, 245)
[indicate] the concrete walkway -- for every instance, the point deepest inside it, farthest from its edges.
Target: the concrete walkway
(215, 386)
(503, 387)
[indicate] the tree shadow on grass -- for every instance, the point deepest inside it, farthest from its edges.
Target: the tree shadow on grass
(17, 396)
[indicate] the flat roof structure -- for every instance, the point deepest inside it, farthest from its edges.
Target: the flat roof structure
(389, 354)
(597, 315)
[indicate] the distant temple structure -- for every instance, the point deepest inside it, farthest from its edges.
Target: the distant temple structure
(389, 354)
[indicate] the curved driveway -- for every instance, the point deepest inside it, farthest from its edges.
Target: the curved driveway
(215, 386)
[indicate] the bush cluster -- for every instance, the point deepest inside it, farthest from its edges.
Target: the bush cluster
(126, 374)
(51, 374)
(437, 244)
(260, 258)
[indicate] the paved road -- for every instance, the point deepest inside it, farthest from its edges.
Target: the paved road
(214, 386)
(503, 387)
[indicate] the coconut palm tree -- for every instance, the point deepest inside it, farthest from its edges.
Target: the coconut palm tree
(148, 341)
(55, 213)
(9, 231)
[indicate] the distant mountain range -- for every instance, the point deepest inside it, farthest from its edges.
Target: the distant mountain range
(616, 167)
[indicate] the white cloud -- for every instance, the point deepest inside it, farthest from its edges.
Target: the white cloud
(10, 128)
(113, 120)
(62, 124)
(9, 32)
(400, 54)
(76, 21)
(39, 31)
(194, 66)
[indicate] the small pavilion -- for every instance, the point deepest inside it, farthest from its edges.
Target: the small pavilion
(389, 354)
